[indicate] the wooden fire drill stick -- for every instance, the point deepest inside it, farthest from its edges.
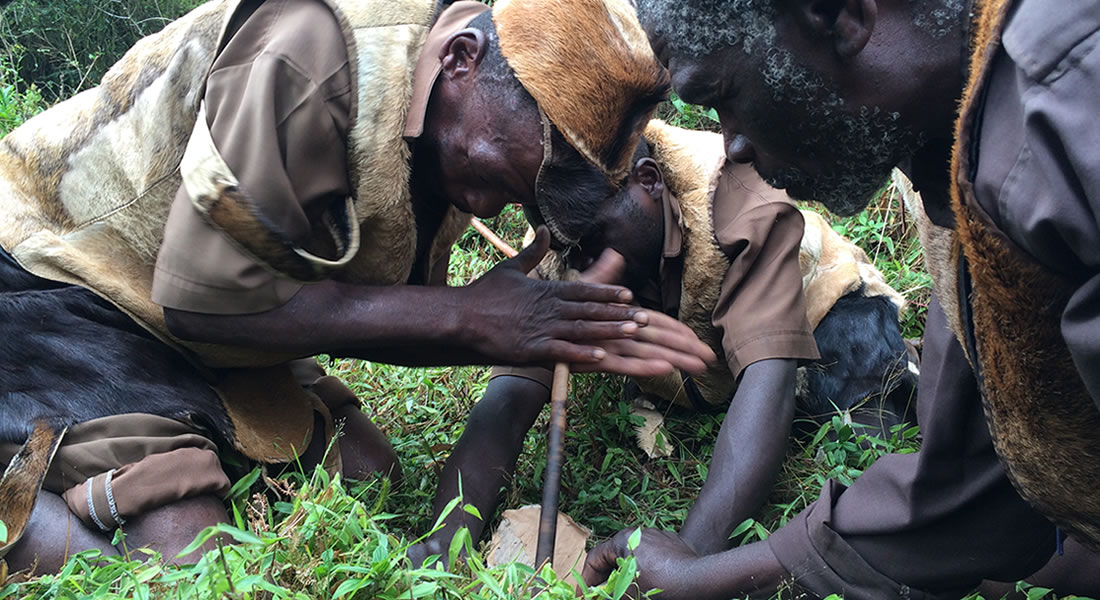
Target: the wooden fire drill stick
(551, 487)
(559, 392)
(493, 238)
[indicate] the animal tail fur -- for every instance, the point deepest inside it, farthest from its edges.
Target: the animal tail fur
(23, 479)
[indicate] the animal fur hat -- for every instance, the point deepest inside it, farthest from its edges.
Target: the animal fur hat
(588, 65)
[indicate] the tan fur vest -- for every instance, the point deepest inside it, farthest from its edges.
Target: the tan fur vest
(690, 162)
(831, 265)
(86, 186)
(1044, 425)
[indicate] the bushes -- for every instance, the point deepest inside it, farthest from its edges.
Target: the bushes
(18, 101)
(64, 47)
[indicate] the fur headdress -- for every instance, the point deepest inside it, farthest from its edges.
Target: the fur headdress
(588, 65)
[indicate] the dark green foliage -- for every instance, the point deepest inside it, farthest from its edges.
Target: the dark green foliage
(689, 116)
(17, 102)
(64, 47)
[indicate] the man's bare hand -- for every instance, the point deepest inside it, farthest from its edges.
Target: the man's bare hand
(503, 318)
(589, 323)
(664, 561)
(662, 342)
(659, 343)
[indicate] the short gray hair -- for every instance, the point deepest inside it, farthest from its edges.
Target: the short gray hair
(701, 27)
(495, 75)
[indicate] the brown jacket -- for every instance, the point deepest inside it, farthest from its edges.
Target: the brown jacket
(86, 187)
(1043, 422)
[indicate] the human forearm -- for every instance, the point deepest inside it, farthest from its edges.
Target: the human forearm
(666, 562)
(750, 571)
(747, 455)
(380, 323)
(485, 457)
(502, 318)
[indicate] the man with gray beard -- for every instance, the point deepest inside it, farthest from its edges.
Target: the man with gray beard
(824, 97)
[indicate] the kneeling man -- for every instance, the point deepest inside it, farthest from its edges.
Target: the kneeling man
(261, 182)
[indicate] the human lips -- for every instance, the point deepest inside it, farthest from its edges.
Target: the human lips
(740, 149)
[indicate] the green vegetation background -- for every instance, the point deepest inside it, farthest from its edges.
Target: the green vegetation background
(300, 535)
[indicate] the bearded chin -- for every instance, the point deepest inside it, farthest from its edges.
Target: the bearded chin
(843, 194)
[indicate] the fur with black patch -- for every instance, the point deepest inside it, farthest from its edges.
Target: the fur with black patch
(864, 365)
(68, 356)
(589, 65)
(21, 481)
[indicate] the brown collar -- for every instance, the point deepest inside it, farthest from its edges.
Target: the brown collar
(664, 294)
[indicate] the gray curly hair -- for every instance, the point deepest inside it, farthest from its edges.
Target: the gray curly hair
(700, 27)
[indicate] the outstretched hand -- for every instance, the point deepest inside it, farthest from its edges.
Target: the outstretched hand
(589, 323)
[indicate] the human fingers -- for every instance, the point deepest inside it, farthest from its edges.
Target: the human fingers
(665, 331)
(602, 560)
(552, 351)
(692, 362)
(581, 330)
(582, 291)
(602, 311)
(626, 365)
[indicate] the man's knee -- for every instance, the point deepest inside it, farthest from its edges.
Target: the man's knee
(510, 402)
(364, 450)
(52, 535)
(170, 528)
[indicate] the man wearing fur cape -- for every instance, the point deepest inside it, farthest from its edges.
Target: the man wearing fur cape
(990, 107)
(265, 181)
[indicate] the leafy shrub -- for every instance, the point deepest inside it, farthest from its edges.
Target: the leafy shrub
(18, 101)
(65, 47)
(317, 541)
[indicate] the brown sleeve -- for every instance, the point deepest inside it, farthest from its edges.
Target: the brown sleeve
(108, 499)
(278, 102)
(760, 311)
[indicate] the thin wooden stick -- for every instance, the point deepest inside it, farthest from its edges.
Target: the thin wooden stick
(559, 393)
(551, 487)
(493, 238)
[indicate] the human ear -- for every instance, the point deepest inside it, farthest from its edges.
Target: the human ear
(462, 53)
(648, 175)
(848, 23)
